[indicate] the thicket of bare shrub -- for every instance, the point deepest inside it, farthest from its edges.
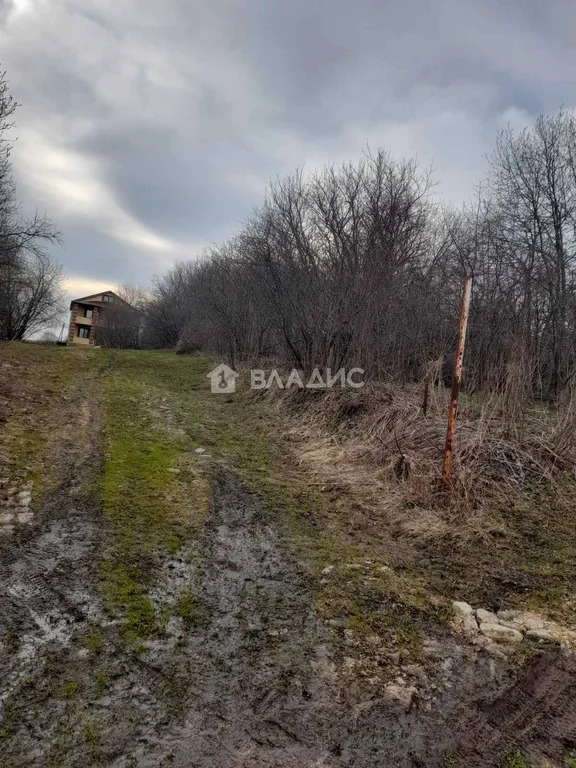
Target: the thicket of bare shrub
(360, 266)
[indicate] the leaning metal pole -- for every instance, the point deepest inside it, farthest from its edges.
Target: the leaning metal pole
(456, 379)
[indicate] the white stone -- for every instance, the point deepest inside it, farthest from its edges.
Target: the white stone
(501, 634)
(513, 625)
(6, 529)
(199, 450)
(400, 694)
(532, 623)
(469, 624)
(538, 634)
(328, 569)
(25, 517)
(486, 617)
(506, 615)
(6, 517)
(174, 470)
(495, 650)
(464, 609)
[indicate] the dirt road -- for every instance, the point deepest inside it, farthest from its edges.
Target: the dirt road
(216, 650)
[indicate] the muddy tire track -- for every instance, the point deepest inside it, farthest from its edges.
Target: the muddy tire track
(267, 688)
(264, 689)
(536, 714)
(46, 568)
(47, 583)
(257, 683)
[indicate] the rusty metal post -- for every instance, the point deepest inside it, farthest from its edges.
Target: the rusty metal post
(456, 379)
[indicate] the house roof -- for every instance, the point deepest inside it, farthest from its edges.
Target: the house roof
(90, 299)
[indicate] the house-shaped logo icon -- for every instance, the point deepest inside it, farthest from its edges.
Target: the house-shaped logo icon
(222, 379)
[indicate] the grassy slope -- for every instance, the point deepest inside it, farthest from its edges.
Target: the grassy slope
(531, 564)
(246, 434)
(33, 383)
(158, 409)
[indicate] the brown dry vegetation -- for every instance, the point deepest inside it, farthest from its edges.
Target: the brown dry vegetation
(502, 534)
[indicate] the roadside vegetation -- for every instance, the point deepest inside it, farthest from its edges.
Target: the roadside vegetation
(379, 551)
(33, 383)
(351, 477)
(359, 265)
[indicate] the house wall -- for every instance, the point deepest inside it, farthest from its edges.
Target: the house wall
(77, 318)
(98, 305)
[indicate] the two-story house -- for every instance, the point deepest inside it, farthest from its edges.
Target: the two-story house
(86, 313)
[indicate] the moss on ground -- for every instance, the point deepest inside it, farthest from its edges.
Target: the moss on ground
(92, 639)
(515, 759)
(141, 520)
(190, 608)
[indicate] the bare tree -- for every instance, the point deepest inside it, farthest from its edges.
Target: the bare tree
(30, 295)
(120, 321)
(359, 265)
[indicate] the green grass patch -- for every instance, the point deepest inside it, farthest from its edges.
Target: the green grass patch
(69, 690)
(33, 378)
(10, 719)
(92, 733)
(190, 608)
(100, 682)
(142, 518)
(515, 759)
(92, 639)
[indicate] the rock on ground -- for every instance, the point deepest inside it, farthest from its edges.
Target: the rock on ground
(501, 634)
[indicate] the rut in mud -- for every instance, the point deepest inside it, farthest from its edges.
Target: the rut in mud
(47, 589)
(264, 691)
(254, 677)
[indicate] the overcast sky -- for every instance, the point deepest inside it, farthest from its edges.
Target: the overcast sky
(150, 128)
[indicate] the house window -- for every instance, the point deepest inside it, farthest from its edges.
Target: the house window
(83, 331)
(107, 298)
(88, 312)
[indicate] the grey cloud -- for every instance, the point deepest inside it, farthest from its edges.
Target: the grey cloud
(182, 110)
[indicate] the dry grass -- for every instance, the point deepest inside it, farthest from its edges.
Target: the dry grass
(502, 534)
(382, 430)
